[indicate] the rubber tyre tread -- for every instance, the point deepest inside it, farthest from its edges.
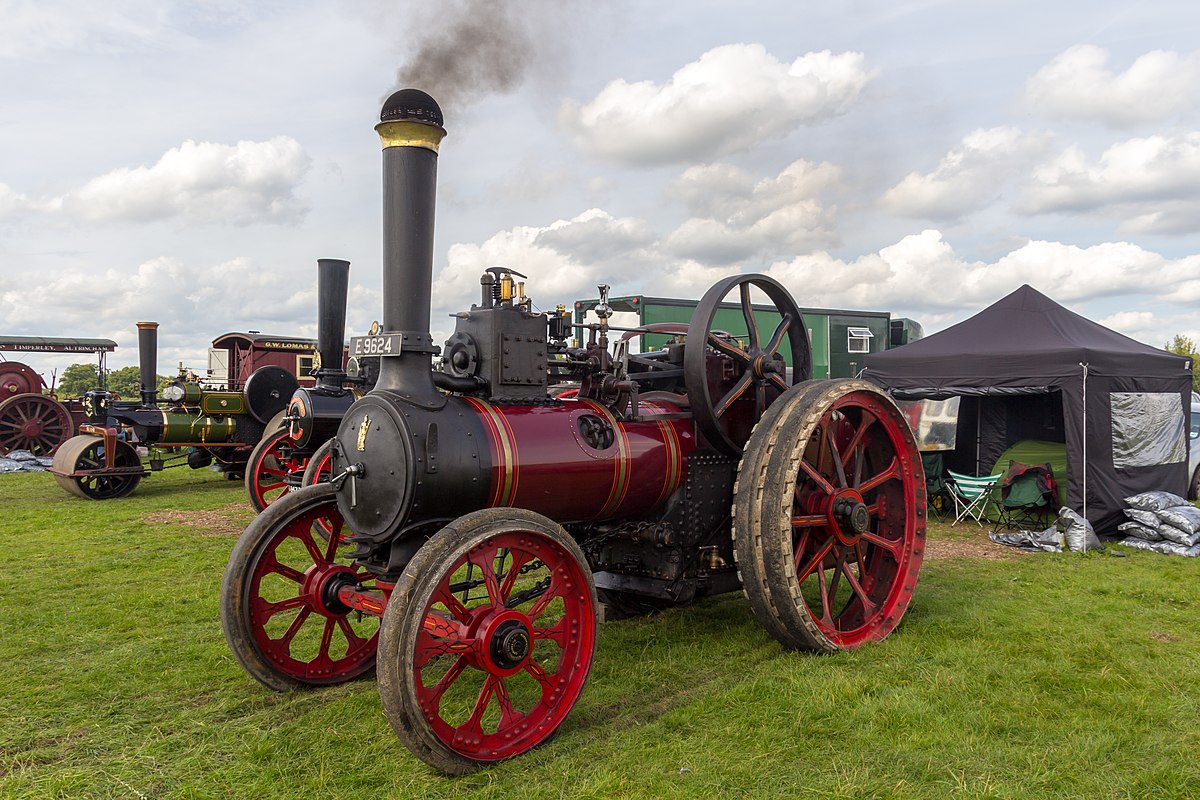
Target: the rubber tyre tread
(235, 585)
(404, 616)
(1194, 489)
(748, 491)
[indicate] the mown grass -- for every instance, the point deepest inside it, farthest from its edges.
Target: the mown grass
(1036, 676)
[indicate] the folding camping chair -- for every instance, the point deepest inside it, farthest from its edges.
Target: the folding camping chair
(1028, 494)
(971, 494)
(937, 496)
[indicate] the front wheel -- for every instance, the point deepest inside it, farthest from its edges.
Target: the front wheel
(488, 640)
(274, 465)
(280, 610)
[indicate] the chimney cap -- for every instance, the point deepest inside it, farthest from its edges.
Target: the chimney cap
(411, 104)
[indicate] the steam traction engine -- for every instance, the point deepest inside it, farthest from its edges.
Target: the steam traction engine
(474, 521)
(32, 417)
(297, 452)
(188, 424)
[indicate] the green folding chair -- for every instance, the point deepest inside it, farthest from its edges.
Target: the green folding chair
(971, 494)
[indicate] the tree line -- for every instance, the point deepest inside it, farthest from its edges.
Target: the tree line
(79, 378)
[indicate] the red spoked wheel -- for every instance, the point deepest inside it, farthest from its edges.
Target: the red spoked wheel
(280, 608)
(273, 461)
(488, 641)
(830, 532)
(33, 422)
(320, 465)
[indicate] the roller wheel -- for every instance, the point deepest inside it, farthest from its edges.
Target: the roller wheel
(279, 604)
(320, 465)
(829, 518)
(270, 464)
(33, 422)
(728, 396)
(488, 640)
(1194, 489)
(87, 453)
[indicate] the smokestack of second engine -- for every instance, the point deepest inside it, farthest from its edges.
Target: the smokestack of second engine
(410, 129)
(333, 278)
(148, 361)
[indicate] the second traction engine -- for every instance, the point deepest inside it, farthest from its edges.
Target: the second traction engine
(479, 513)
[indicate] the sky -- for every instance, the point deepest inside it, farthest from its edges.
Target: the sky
(188, 162)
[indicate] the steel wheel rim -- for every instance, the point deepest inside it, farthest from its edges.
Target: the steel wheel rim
(272, 469)
(33, 422)
(855, 585)
(293, 608)
(470, 654)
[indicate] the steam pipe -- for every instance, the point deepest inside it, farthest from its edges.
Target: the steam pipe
(148, 361)
(333, 278)
(410, 129)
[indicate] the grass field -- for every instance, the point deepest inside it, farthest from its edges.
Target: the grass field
(1012, 676)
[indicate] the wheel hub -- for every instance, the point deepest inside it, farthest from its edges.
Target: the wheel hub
(32, 428)
(849, 516)
(506, 640)
(321, 586)
(510, 644)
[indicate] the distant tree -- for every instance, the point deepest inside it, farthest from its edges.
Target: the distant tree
(1184, 346)
(127, 382)
(77, 379)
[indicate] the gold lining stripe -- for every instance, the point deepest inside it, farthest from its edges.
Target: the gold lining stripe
(410, 133)
(621, 463)
(503, 452)
(671, 443)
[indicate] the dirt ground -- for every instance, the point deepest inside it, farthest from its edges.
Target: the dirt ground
(944, 542)
(229, 520)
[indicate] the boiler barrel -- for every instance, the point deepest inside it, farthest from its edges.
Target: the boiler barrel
(572, 461)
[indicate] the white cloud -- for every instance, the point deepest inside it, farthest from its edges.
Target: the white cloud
(736, 217)
(969, 177)
(197, 182)
(728, 100)
(1151, 184)
(1077, 84)
(922, 275)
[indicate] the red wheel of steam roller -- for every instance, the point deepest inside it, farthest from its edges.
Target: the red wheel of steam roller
(488, 640)
(280, 608)
(839, 522)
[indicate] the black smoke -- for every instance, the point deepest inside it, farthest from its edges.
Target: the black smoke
(469, 49)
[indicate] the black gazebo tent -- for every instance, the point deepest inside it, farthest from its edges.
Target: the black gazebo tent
(1124, 405)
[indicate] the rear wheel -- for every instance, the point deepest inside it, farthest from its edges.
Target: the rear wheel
(838, 510)
(279, 607)
(33, 422)
(488, 640)
(87, 453)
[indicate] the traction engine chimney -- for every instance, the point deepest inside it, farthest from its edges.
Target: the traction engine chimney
(333, 278)
(410, 130)
(148, 361)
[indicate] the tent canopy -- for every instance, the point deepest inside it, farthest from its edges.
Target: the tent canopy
(1025, 343)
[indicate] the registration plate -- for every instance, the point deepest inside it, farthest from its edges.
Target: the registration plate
(383, 344)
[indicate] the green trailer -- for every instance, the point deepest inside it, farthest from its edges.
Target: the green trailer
(840, 339)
